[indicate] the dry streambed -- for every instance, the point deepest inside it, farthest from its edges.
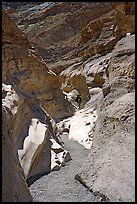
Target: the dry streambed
(61, 186)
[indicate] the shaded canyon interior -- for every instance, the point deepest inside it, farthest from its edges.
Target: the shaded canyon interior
(68, 67)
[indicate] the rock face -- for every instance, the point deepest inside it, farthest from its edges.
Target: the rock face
(42, 152)
(14, 186)
(53, 27)
(27, 90)
(125, 47)
(24, 68)
(124, 16)
(96, 57)
(35, 135)
(110, 167)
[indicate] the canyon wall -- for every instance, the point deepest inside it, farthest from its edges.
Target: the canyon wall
(30, 92)
(92, 55)
(14, 186)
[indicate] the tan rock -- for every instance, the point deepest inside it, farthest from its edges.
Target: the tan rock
(125, 16)
(98, 36)
(23, 67)
(58, 25)
(30, 92)
(75, 81)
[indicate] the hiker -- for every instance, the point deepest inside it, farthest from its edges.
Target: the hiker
(79, 100)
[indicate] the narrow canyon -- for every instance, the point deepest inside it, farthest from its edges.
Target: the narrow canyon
(68, 101)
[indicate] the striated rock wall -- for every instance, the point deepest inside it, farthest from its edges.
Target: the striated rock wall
(28, 86)
(24, 68)
(54, 27)
(103, 32)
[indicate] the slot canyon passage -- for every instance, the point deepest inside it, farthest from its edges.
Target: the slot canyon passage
(68, 101)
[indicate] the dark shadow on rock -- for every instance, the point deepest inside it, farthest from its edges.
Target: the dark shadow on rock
(34, 178)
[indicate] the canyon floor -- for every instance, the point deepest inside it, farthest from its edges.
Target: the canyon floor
(61, 186)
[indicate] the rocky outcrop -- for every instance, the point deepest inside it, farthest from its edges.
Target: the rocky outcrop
(27, 95)
(75, 81)
(124, 16)
(98, 36)
(124, 51)
(103, 32)
(99, 64)
(54, 27)
(14, 186)
(110, 167)
(34, 134)
(24, 68)
(42, 151)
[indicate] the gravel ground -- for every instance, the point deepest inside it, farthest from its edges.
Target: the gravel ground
(60, 186)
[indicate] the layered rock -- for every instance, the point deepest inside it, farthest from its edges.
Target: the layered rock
(98, 36)
(124, 16)
(23, 67)
(102, 69)
(54, 27)
(29, 88)
(103, 32)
